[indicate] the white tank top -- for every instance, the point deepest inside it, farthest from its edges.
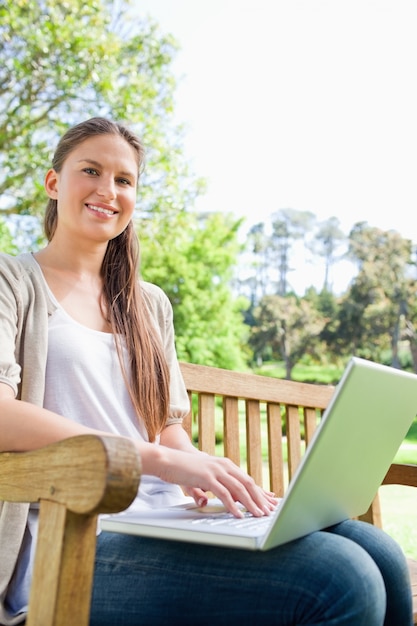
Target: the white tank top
(84, 382)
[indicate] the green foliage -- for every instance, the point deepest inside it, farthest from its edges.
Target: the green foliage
(191, 257)
(326, 243)
(287, 226)
(82, 59)
(286, 328)
(373, 311)
(374, 319)
(85, 59)
(6, 239)
(61, 62)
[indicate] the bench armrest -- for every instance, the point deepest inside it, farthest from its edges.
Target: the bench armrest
(73, 480)
(401, 474)
(88, 474)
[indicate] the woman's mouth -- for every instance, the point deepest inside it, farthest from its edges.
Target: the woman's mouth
(99, 209)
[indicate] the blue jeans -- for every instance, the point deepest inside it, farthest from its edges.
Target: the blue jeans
(352, 574)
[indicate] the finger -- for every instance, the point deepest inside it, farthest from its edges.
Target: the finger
(224, 495)
(245, 490)
(231, 485)
(200, 497)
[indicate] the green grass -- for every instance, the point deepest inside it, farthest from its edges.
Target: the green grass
(408, 451)
(399, 503)
(328, 375)
(399, 516)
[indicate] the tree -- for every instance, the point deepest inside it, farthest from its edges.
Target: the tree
(288, 225)
(259, 244)
(409, 331)
(85, 59)
(80, 60)
(326, 243)
(409, 328)
(192, 258)
(375, 307)
(327, 305)
(287, 328)
(271, 249)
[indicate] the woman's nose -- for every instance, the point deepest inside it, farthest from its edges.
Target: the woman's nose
(106, 188)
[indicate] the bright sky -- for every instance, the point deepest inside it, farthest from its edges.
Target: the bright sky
(303, 104)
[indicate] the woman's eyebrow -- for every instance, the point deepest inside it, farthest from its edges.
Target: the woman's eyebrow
(98, 164)
(84, 160)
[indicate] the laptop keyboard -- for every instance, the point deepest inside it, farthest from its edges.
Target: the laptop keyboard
(248, 521)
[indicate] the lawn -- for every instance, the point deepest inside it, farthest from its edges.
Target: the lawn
(399, 503)
(399, 515)
(328, 375)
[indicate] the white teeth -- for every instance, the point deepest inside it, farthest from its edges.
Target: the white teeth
(100, 210)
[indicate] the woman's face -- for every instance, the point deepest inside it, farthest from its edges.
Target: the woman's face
(95, 189)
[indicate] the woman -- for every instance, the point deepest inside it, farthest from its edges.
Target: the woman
(86, 347)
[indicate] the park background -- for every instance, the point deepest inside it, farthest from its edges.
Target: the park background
(276, 205)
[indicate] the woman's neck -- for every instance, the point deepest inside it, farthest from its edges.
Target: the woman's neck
(63, 256)
(76, 282)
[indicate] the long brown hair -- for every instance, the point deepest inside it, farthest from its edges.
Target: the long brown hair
(147, 375)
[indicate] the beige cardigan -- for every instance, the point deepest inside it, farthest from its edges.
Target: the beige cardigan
(25, 306)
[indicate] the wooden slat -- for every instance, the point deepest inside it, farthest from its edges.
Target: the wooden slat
(188, 419)
(373, 514)
(231, 429)
(310, 424)
(293, 439)
(48, 562)
(253, 440)
(275, 454)
(77, 566)
(64, 566)
(206, 423)
(223, 382)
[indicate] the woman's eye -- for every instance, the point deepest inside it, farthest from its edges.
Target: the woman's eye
(90, 170)
(124, 181)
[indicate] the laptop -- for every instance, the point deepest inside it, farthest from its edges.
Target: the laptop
(367, 419)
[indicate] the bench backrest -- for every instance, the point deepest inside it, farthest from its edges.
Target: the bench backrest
(249, 411)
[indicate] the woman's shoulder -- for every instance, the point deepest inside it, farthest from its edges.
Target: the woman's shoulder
(17, 265)
(23, 276)
(154, 293)
(157, 301)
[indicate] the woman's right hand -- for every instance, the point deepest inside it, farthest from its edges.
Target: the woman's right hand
(207, 473)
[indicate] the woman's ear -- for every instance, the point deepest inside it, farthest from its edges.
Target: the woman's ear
(51, 184)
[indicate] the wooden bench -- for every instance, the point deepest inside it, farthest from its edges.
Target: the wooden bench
(78, 478)
(218, 398)
(73, 481)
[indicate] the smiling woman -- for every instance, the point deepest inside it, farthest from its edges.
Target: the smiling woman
(95, 186)
(88, 347)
